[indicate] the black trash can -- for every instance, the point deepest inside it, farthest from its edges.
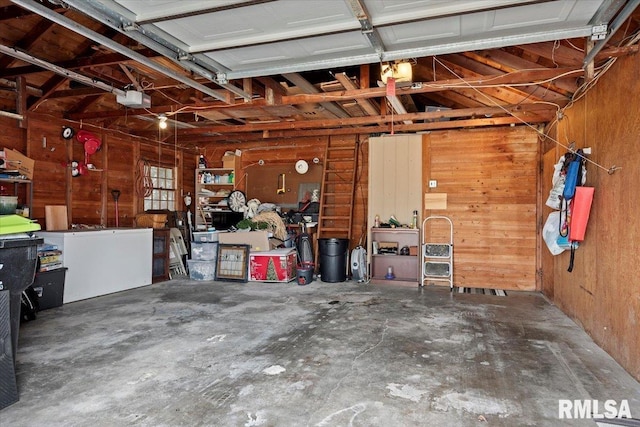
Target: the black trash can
(333, 259)
(18, 260)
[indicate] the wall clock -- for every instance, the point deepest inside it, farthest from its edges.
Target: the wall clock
(237, 201)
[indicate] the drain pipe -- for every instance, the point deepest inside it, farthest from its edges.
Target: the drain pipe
(99, 38)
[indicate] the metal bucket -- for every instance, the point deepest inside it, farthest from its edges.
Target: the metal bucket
(8, 205)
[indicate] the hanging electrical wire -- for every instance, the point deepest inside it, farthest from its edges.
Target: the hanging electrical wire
(143, 183)
(609, 170)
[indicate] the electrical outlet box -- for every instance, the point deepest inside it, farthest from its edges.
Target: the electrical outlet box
(433, 183)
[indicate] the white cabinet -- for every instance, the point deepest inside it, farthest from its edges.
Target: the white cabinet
(101, 262)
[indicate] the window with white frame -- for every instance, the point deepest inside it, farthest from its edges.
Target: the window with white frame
(163, 195)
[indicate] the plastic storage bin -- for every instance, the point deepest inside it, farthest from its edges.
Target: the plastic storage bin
(49, 286)
(205, 236)
(204, 251)
(277, 265)
(202, 270)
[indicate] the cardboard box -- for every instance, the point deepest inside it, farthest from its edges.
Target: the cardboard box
(278, 265)
(15, 160)
(229, 161)
(258, 240)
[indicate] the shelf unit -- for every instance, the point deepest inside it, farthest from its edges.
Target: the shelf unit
(213, 185)
(437, 257)
(406, 268)
(29, 191)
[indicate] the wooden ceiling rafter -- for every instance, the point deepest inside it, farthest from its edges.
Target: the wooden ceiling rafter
(507, 63)
(522, 75)
(12, 11)
(355, 121)
(491, 95)
(517, 77)
(374, 129)
(75, 64)
(541, 92)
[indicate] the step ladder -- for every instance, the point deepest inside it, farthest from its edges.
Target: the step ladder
(335, 217)
(437, 257)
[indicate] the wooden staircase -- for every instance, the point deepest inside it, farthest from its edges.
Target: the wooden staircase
(335, 218)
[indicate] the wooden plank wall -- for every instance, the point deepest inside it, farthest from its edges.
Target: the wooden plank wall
(287, 152)
(602, 292)
(490, 178)
(89, 197)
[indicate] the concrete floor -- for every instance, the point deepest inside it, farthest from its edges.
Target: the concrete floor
(186, 353)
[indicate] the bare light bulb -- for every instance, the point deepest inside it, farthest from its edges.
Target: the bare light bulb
(163, 121)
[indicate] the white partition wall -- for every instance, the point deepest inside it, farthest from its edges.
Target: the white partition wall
(395, 179)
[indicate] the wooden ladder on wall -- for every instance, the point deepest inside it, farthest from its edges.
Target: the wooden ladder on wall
(335, 217)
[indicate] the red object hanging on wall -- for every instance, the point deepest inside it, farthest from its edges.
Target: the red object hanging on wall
(580, 209)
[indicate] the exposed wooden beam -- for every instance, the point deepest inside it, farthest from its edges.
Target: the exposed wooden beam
(528, 76)
(12, 84)
(305, 86)
(507, 62)
(78, 63)
(367, 106)
(132, 78)
(21, 101)
(613, 52)
(557, 53)
(12, 11)
(475, 65)
(48, 87)
(355, 121)
(397, 128)
(71, 93)
(273, 91)
(85, 103)
(28, 40)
